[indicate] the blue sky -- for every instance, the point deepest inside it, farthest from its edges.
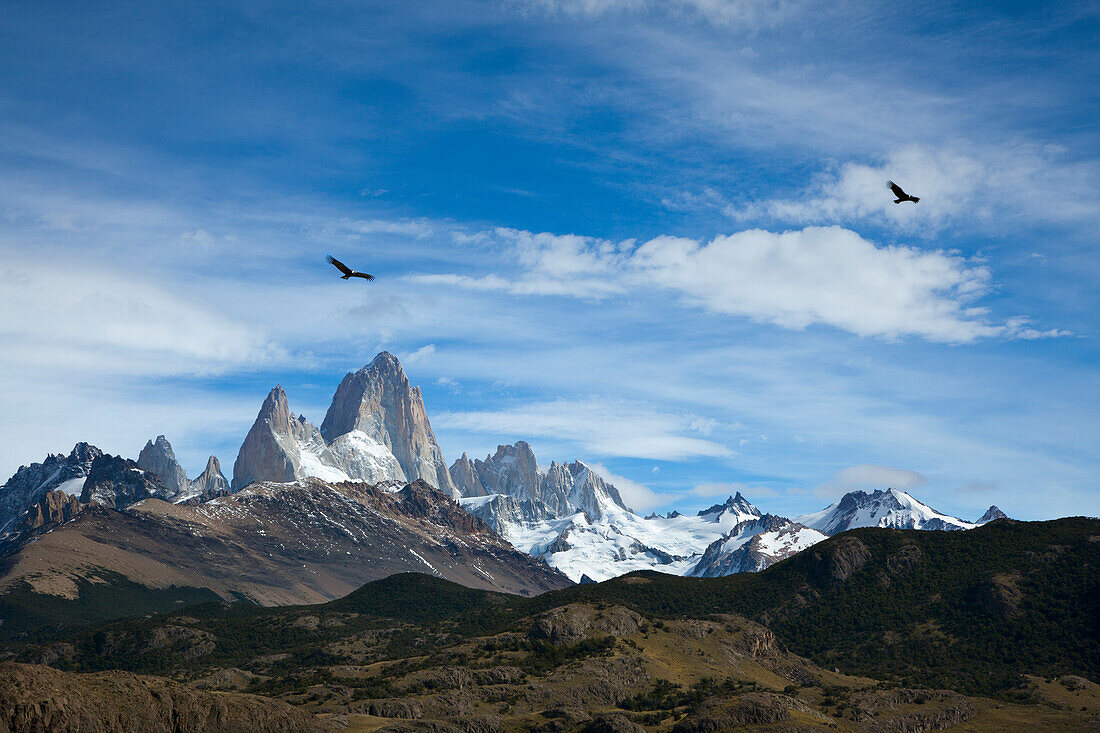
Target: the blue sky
(651, 235)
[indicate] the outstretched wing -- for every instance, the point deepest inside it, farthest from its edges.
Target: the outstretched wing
(339, 265)
(363, 275)
(896, 189)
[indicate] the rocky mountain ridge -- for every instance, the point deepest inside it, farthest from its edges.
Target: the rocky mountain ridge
(30, 484)
(272, 543)
(376, 431)
(158, 457)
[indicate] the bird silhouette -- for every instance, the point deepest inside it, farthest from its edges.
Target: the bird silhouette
(348, 272)
(901, 195)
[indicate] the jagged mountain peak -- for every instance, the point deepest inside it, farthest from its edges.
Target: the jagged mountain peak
(158, 457)
(30, 484)
(275, 410)
(379, 402)
(991, 514)
(209, 484)
(736, 504)
(118, 482)
(753, 545)
(465, 477)
(385, 360)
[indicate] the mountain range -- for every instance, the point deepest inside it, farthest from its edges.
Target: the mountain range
(311, 513)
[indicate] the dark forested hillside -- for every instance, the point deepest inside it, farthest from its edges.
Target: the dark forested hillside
(873, 626)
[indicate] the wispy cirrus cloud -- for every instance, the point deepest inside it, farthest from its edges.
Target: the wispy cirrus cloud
(102, 321)
(740, 13)
(980, 186)
(596, 427)
(635, 494)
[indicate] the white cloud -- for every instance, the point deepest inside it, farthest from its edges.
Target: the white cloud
(417, 228)
(422, 354)
(988, 186)
(552, 264)
(870, 476)
(638, 497)
(827, 275)
(596, 427)
(949, 185)
(818, 275)
(82, 317)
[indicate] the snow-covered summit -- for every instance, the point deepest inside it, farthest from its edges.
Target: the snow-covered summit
(375, 430)
(736, 508)
(577, 521)
(753, 545)
(889, 508)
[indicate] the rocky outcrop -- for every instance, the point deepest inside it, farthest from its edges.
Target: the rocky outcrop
(753, 709)
(379, 402)
(53, 508)
(117, 483)
(159, 458)
(31, 483)
(210, 483)
(890, 711)
(838, 562)
(39, 698)
(570, 624)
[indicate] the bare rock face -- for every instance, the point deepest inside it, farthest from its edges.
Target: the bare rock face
(839, 561)
(31, 483)
(159, 458)
(465, 477)
(54, 508)
(379, 402)
(563, 489)
(211, 482)
(117, 483)
(573, 623)
(269, 451)
(512, 470)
